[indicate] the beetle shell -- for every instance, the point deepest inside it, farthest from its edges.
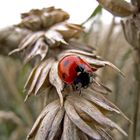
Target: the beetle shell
(68, 68)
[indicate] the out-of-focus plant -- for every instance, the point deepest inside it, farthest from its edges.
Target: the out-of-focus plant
(131, 28)
(119, 8)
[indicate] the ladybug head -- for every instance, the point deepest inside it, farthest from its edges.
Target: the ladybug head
(83, 78)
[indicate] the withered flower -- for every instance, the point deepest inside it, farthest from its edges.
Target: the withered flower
(70, 115)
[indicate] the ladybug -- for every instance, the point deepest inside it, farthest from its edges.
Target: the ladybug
(75, 71)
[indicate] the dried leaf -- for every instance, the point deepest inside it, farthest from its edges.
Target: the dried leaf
(99, 87)
(105, 135)
(103, 102)
(114, 67)
(81, 52)
(54, 38)
(30, 78)
(94, 113)
(56, 81)
(69, 30)
(37, 77)
(45, 125)
(44, 74)
(100, 100)
(75, 118)
(69, 130)
(29, 82)
(50, 110)
(82, 136)
(56, 124)
(28, 41)
(40, 48)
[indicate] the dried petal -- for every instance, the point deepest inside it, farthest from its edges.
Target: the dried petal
(45, 125)
(82, 136)
(69, 130)
(37, 77)
(44, 74)
(28, 41)
(40, 48)
(94, 113)
(56, 81)
(114, 67)
(30, 78)
(75, 118)
(54, 38)
(100, 100)
(80, 52)
(56, 124)
(69, 30)
(104, 133)
(99, 87)
(49, 112)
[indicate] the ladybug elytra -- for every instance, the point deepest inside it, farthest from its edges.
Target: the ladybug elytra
(74, 71)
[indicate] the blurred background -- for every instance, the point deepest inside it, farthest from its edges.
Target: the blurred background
(103, 32)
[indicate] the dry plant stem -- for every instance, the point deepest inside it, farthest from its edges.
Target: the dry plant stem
(137, 96)
(137, 77)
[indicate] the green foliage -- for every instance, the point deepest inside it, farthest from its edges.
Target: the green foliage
(97, 10)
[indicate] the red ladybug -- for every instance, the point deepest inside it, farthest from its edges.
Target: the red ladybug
(75, 71)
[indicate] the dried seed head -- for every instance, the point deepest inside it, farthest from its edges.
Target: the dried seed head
(67, 115)
(42, 19)
(80, 115)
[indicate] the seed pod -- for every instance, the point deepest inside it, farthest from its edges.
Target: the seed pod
(119, 8)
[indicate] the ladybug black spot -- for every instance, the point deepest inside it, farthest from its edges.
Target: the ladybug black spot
(66, 63)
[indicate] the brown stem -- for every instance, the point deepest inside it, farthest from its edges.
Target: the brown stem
(137, 94)
(131, 30)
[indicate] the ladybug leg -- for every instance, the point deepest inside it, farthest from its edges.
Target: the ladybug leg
(78, 86)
